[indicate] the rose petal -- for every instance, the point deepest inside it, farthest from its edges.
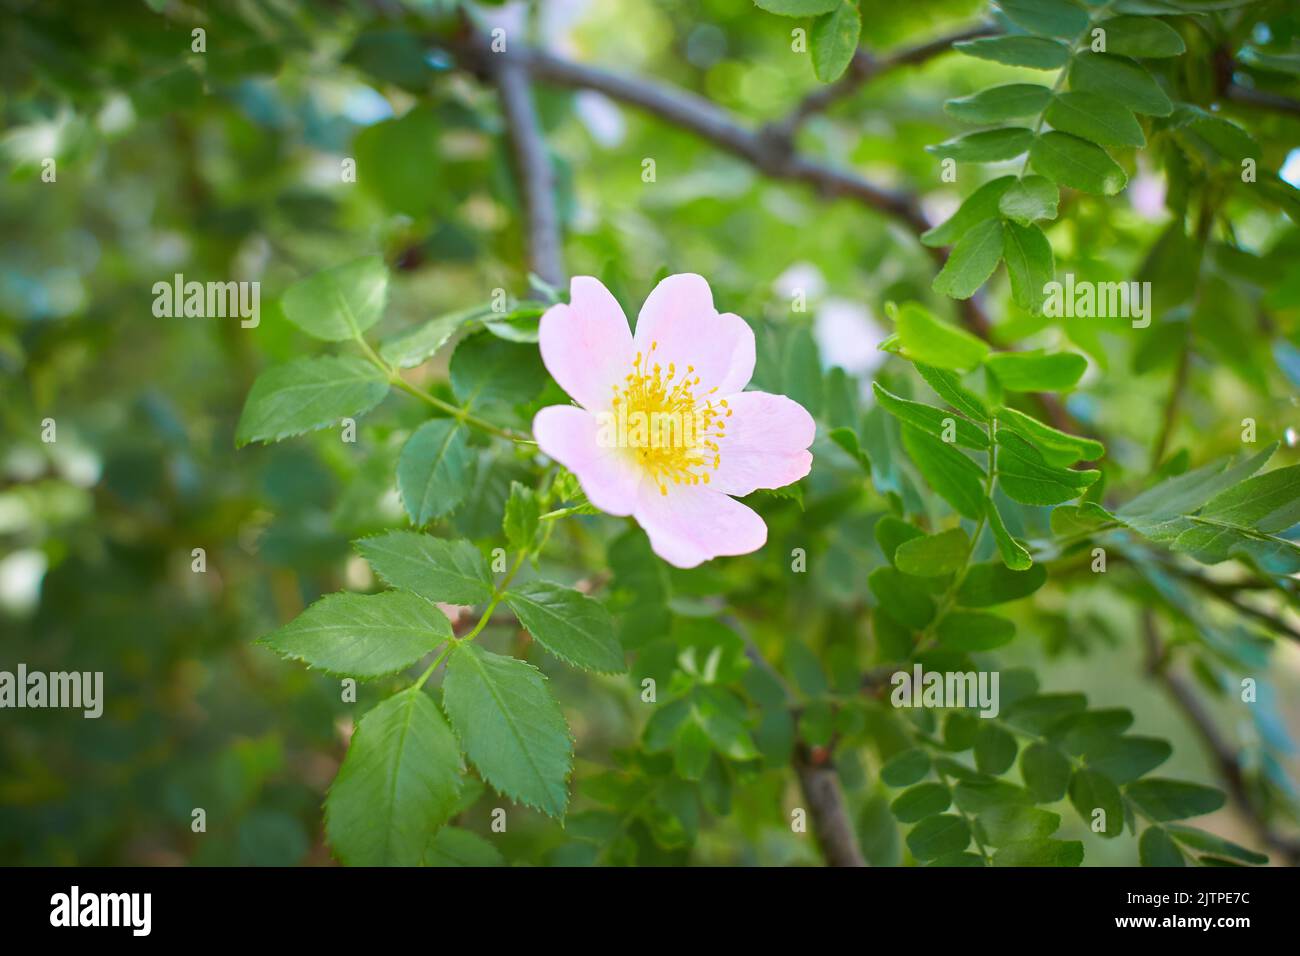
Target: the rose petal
(765, 444)
(608, 477)
(693, 523)
(586, 345)
(679, 318)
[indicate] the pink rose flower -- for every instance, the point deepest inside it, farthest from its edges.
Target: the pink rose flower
(665, 431)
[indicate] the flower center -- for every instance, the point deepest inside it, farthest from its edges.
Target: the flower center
(672, 432)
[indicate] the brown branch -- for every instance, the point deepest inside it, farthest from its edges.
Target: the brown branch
(1263, 99)
(532, 169)
(863, 68)
(1223, 752)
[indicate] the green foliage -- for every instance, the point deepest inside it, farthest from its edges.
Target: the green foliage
(1000, 490)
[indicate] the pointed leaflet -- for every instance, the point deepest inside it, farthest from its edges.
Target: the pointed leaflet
(835, 40)
(971, 262)
(986, 146)
(1014, 555)
(1030, 265)
(488, 370)
(523, 512)
(1037, 53)
(947, 385)
(934, 421)
(452, 846)
(510, 726)
(1026, 477)
(980, 205)
(1163, 800)
(1120, 80)
(307, 394)
(340, 303)
(397, 785)
(362, 635)
(952, 475)
(1057, 447)
(413, 346)
(449, 572)
(1096, 119)
(433, 472)
(926, 339)
(1077, 163)
(999, 103)
(575, 628)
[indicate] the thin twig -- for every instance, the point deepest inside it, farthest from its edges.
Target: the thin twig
(863, 68)
(1263, 99)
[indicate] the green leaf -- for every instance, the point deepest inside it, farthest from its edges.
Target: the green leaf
(923, 800)
(1013, 554)
(1040, 853)
(835, 40)
(1156, 849)
(414, 346)
(449, 572)
(1096, 119)
(979, 793)
(979, 206)
(1209, 843)
(510, 726)
(801, 371)
(1121, 81)
(891, 532)
(847, 439)
(433, 470)
(1124, 759)
(1046, 772)
(1037, 714)
(1037, 371)
(1163, 800)
(797, 8)
(999, 103)
(929, 341)
(1026, 477)
(969, 266)
(954, 477)
(488, 370)
(974, 631)
(1142, 37)
(398, 162)
(934, 421)
(1075, 162)
(575, 628)
(1037, 53)
(339, 304)
(522, 516)
(995, 749)
(986, 146)
(308, 394)
(399, 782)
(1091, 791)
(937, 836)
(999, 826)
(1047, 17)
(1029, 200)
(452, 846)
(362, 635)
(1185, 493)
(1030, 265)
(933, 555)
(902, 597)
(947, 385)
(986, 585)
(1056, 447)
(1269, 502)
(905, 768)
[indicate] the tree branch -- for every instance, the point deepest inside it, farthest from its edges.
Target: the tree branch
(533, 170)
(863, 68)
(1263, 99)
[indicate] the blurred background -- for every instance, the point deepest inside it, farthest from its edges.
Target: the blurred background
(225, 165)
